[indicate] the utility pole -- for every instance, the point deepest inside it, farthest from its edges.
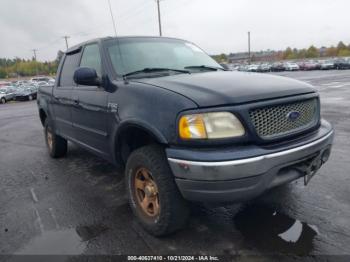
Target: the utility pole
(159, 20)
(66, 37)
(34, 52)
(36, 65)
(249, 59)
(6, 68)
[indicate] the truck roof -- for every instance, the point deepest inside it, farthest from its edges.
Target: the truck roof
(77, 47)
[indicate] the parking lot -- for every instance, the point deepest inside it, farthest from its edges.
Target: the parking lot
(76, 205)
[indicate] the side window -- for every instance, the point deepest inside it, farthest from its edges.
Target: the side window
(91, 58)
(71, 62)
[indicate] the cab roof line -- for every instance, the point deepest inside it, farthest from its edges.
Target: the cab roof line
(73, 50)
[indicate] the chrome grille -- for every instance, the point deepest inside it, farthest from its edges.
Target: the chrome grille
(275, 121)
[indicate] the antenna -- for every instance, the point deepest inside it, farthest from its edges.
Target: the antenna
(112, 16)
(116, 35)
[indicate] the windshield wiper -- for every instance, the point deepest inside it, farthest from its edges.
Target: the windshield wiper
(154, 69)
(212, 68)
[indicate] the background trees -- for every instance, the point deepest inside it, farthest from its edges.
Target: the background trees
(293, 53)
(21, 67)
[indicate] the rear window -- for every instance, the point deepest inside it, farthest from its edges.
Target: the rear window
(71, 62)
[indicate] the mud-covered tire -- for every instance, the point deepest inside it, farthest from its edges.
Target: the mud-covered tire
(173, 210)
(56, 145)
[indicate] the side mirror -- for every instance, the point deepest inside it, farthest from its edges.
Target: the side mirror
(86, 76)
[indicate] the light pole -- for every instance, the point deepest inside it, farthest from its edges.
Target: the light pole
(249, 56)
(66, 38)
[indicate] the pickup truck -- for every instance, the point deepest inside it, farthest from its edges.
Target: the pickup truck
(183, 128)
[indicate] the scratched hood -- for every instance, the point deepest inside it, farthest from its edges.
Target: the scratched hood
(226, 87)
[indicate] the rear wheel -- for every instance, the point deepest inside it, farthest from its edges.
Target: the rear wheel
(3, 100)
(30, 98)
(153, 194)
(56, 145)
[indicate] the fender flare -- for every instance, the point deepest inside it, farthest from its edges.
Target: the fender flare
(151, 130)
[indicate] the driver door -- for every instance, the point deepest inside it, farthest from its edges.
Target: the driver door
(89, 114)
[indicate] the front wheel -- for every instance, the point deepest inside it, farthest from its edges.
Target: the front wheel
(154, 197)
(56, 144)
(3, 100)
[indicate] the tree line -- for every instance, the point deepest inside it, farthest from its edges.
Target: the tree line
(22, 67)
(341, 50)
(313, 52)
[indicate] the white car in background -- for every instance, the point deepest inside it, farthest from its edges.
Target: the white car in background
(6, 94)
(253, 68)
(327, 64)
(52, 82)
(291, 67)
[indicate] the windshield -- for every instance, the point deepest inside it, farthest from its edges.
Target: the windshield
(141, 53)
(23, 89)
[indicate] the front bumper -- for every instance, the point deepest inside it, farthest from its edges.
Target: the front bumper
(244, 172)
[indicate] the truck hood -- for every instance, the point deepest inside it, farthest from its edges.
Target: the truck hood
(223, 87)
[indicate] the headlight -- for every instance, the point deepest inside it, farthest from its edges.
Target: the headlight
(210, 126)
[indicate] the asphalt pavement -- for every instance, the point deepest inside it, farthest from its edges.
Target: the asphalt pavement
(77, 205)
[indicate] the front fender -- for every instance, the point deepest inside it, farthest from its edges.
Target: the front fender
(134, 123)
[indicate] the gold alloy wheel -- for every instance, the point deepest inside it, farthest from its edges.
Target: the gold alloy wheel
(49, 139)
(146, 192)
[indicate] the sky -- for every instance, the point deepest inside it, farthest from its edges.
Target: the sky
(218, 26)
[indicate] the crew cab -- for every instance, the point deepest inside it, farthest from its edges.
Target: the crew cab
(182, 127)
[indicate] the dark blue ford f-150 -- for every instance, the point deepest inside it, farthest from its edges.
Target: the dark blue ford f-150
(183, 127)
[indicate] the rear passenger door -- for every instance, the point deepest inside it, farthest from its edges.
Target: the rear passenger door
(62, 95)
(89, 114)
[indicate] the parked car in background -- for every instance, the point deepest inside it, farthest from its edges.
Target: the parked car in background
(264, 68)
(4, 83)
(224, 65)
(253, 68)
(52, 82)
(40, 79)
(21, 83)
(342, 63)
(6, 94)
(243, 68)
(291, 66)
(277, 67)
(327, 65)
(26, 93)
(42, 83)
(307, 65)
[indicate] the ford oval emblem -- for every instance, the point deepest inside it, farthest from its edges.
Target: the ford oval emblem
(294, 115)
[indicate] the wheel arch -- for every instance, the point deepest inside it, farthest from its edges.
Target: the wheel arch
(42, 116)
(132, 135)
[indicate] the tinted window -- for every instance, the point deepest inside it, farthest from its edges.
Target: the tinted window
(71, 62)
(91, 58)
